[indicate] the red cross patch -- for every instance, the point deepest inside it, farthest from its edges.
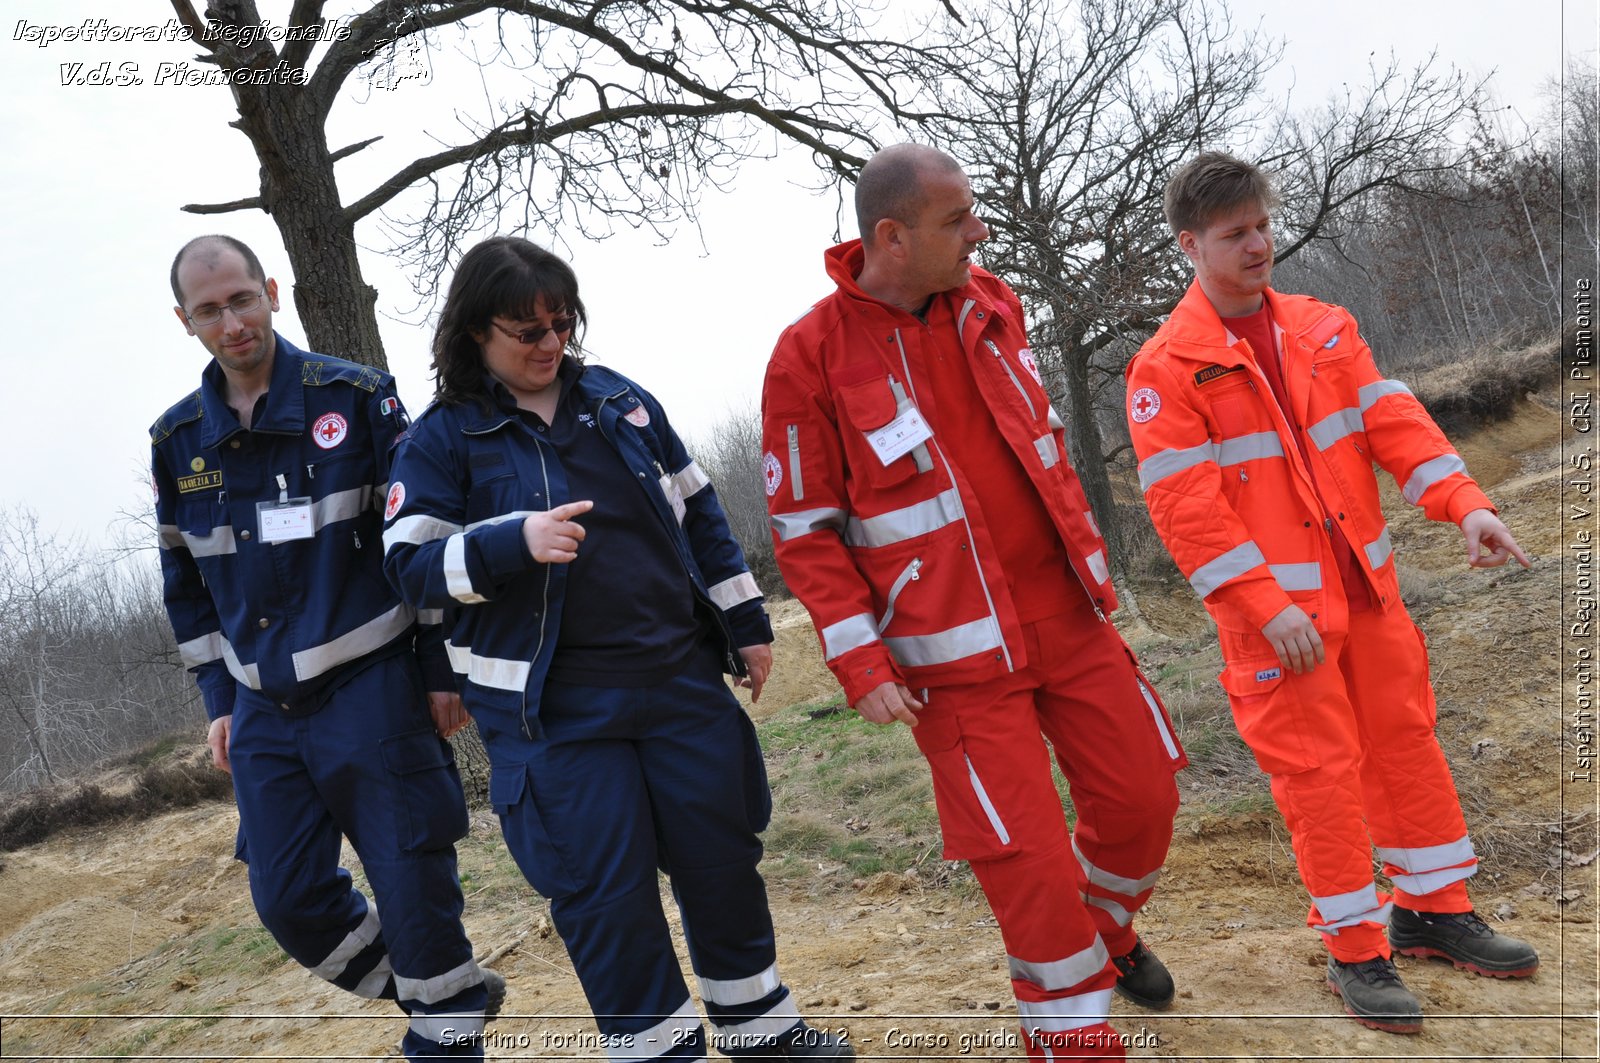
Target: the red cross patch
(1144, 404)
(397, 498)
(1025, 356)
(771, 472)
(329, 430)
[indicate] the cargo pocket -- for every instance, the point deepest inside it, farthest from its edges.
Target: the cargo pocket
(1160, 719)
(757, 791)
(525, 833)
(431, 802)
(1269, 715)
(972, 826)
(869, 406)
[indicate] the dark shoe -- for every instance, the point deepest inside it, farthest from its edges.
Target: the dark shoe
(495, 985)
(1374, 995)
(1463, 939)
(1143, 978)
(807, 1042)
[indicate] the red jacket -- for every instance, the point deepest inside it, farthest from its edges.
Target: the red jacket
(894, 561)
(1228, 490)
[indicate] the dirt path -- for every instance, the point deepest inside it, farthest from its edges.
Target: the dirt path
(139, 940)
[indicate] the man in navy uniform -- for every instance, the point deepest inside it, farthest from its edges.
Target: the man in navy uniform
(328, 701)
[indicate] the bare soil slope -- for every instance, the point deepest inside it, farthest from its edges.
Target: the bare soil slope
(139, 940)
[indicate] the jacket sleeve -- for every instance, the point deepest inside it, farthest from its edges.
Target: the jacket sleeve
(195, 623)
(808, 504)
(1182, 485)
(1409, 446)
(433, 558)
(716, 552)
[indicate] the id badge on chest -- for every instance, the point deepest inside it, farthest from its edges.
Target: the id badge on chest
(897, 438)
(285, 520)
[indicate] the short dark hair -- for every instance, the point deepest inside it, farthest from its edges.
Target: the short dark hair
(890, 185)
(505, 276)
(215, 242)
(1209, 184)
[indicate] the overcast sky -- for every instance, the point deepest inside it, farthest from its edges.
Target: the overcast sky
(94, 176)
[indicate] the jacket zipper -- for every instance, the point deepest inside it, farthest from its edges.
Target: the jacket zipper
(544, 599)
(795, 487)
(1032, 413)
(909, 575)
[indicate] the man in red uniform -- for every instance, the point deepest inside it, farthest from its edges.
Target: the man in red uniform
(1257, 417)
(925, 513)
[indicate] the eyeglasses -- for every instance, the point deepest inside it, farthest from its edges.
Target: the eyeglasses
(531, 336)
(239, 304)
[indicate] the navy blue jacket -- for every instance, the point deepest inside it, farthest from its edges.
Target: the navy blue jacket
(465, 477)
(288, 619)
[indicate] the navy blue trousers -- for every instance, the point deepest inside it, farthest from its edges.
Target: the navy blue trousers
(369, 766)
(626, 781)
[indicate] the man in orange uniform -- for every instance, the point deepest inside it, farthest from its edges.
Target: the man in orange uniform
(925, 513)
(1257, 417)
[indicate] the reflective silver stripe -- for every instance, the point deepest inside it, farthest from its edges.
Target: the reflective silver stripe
(377, 980)
(1119, 915)
(379, 631)
(1052, 975)
(1334, 427)
(1379, 550)
(898, 525)
(848, 634)
(1089, 517)
(248, 674)
(340, 505)
(1230, 565)
(780, 1019)
(1429, 473)
(730, 991)
(516, 514)
(202, 650)
(961, 318)
(498, 673)
(430, 617)
(987, 805)
(1369, 394)
(417, 529)
(1429, 881)
(440, 986)
(1046, 446)
(796, 489)
(169, 536)
(365, 933)
(1110, 880)
(730, 592)
(1165, 463)
(456, 579)
(1239, 449)
(1053, 419)
(1306, 576)
(1160, 718)
(793, 525)
(964, 640)
(1430, 857)
(659, 1039)
(449, 1027)
(1065, 1013)
(216, 542)
(1097, 566)
(1348, 909)
(690, 479)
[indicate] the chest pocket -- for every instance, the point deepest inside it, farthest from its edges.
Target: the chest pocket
(1237, 408)
(493, 485)
(868, 406)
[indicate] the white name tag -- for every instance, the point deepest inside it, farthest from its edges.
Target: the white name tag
(285, 521)
(895, 439)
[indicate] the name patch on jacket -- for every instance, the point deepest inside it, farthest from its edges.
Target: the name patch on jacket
(1213, 372)
(1268, 673)
(203, 481)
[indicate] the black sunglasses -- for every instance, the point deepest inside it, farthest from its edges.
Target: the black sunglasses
(534, 335)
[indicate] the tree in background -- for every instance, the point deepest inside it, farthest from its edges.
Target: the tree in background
(1071, 116)
(626, 111)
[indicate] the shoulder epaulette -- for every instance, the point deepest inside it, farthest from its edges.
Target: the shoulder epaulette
(189, 408)
(318, 369)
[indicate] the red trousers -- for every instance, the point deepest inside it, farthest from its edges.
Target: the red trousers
(1354, 764)
(1064, 902)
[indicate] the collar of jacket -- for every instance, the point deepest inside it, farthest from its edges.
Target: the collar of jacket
(1195, 330)
(591, 383)
(285, 410)
(844, 263)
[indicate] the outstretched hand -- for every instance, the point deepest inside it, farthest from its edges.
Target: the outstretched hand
(1485, 531)
(553, 536)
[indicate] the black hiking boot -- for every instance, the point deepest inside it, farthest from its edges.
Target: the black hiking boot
(1374, 995)
(1463, 939)
(1143, 978)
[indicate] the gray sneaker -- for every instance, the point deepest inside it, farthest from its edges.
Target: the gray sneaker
(1463, 939)
(1374, 995)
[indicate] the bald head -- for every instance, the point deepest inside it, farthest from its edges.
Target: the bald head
(210, 251)
(893, 185)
